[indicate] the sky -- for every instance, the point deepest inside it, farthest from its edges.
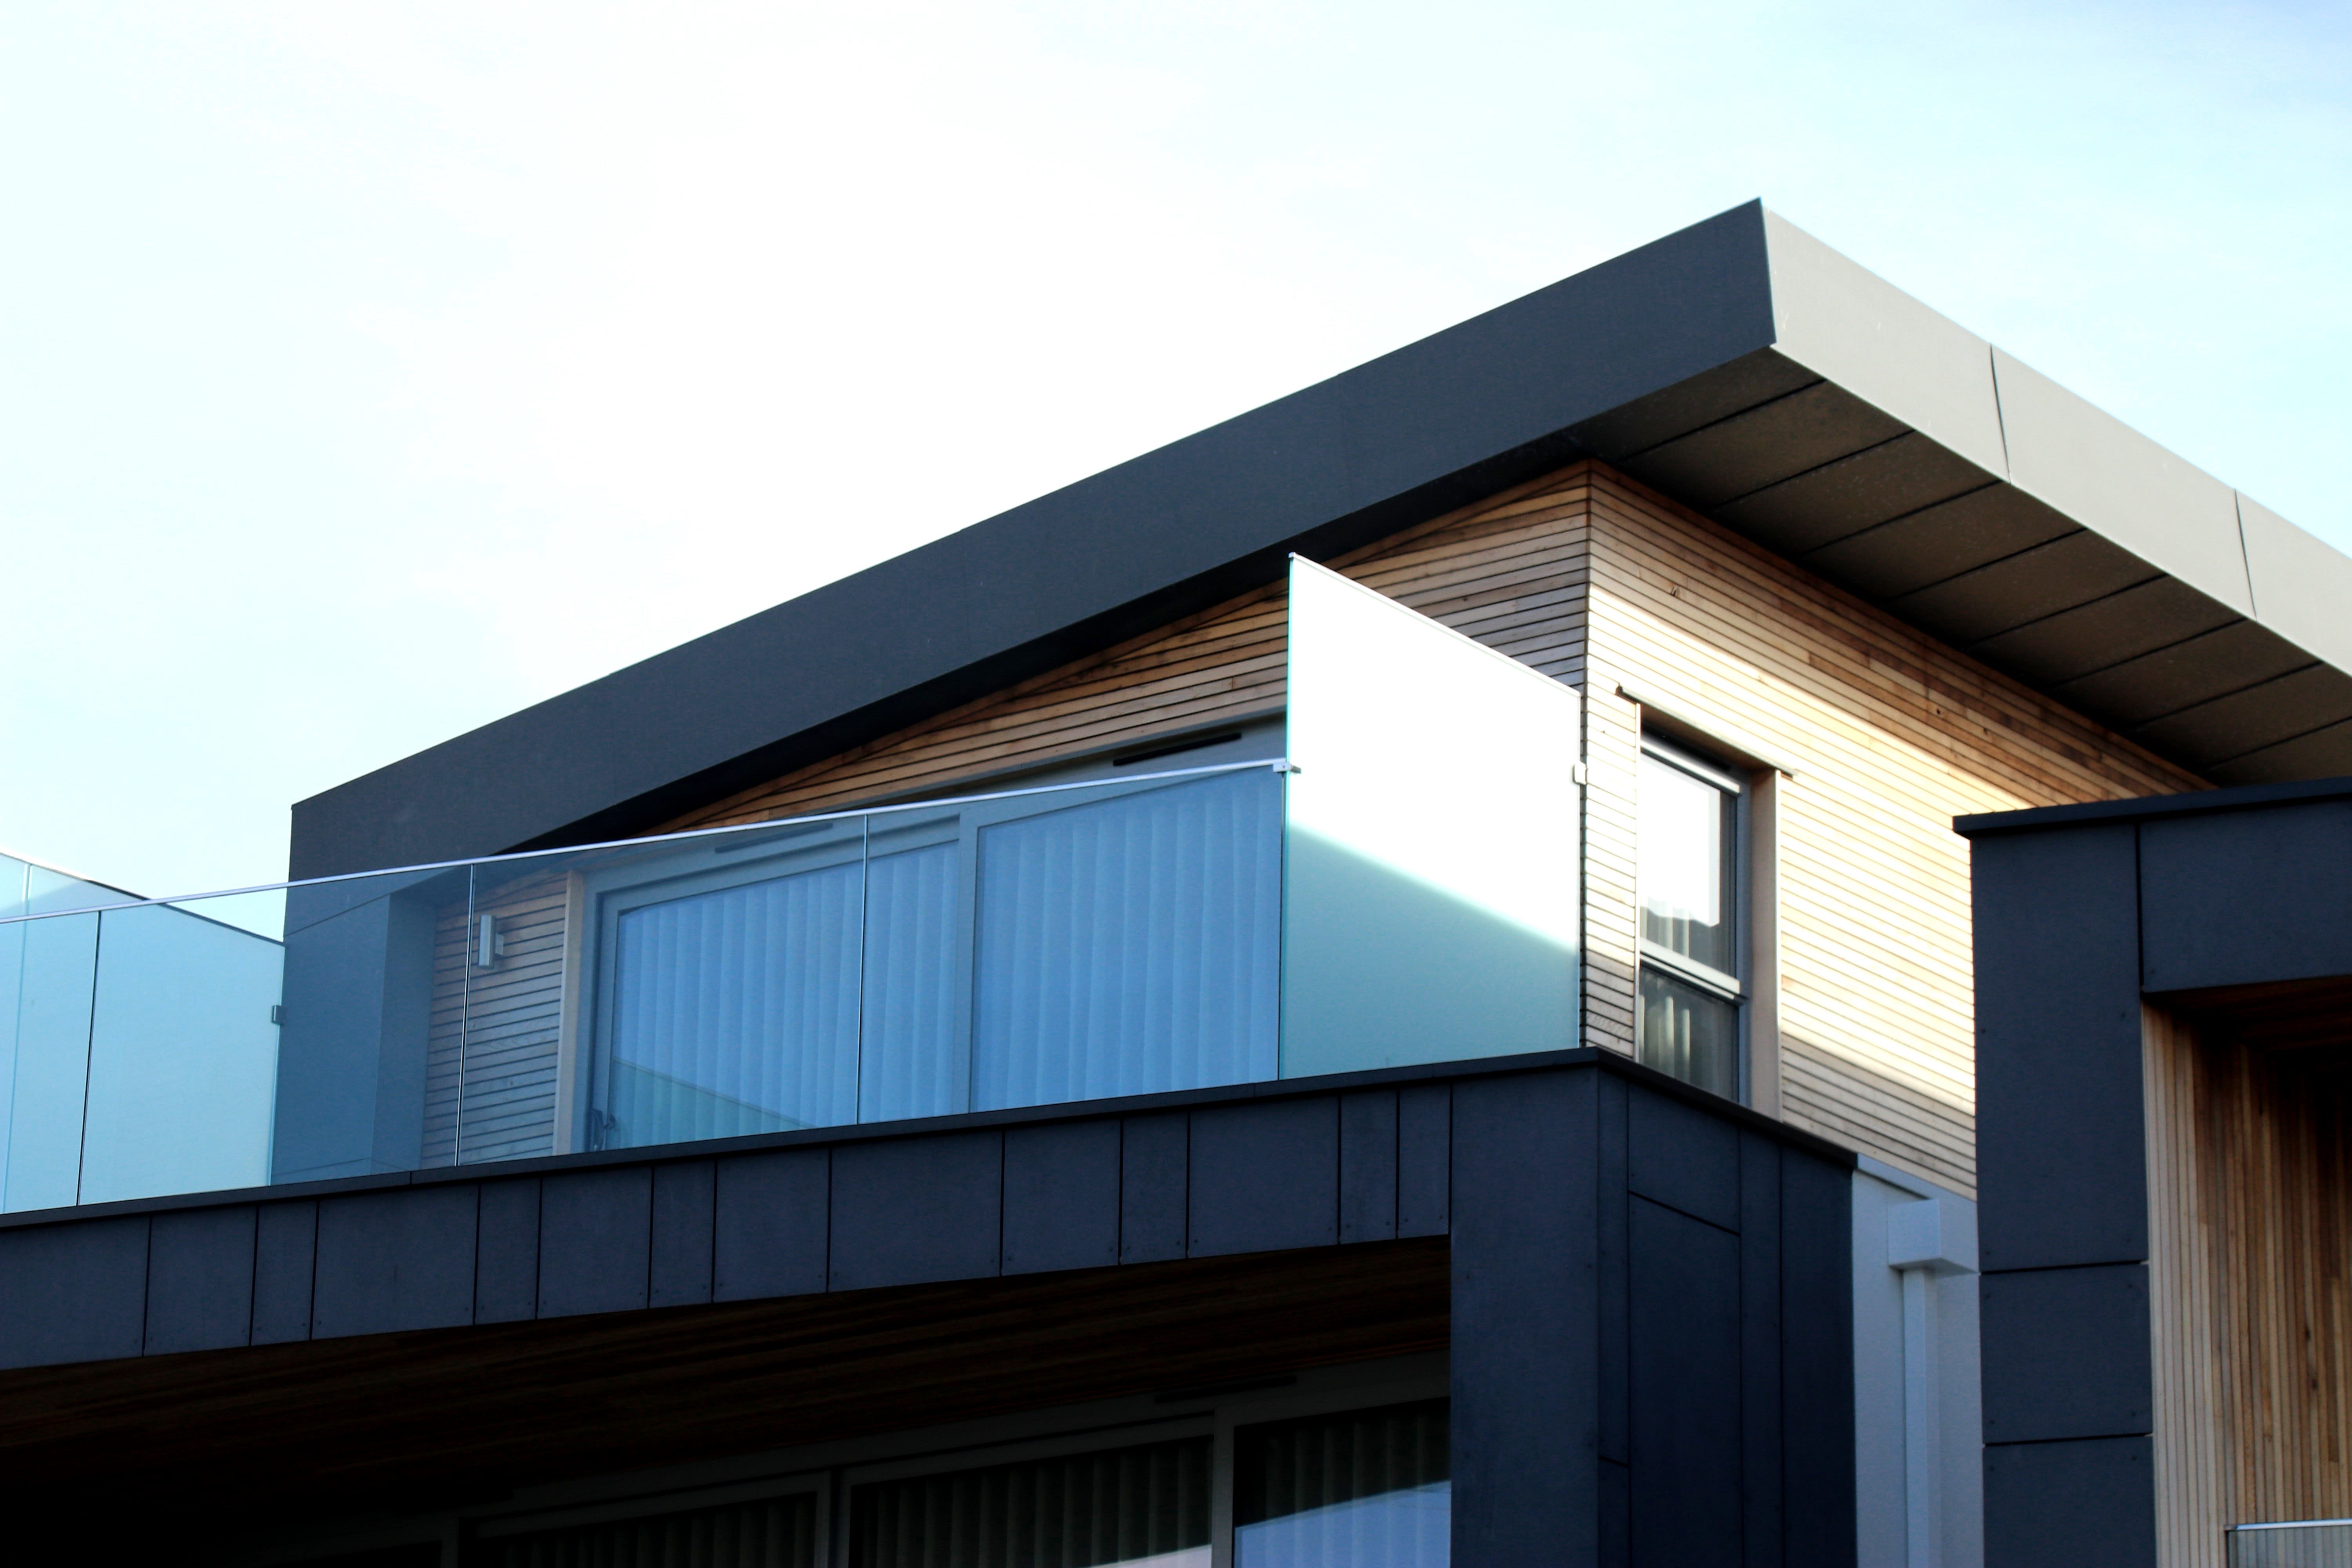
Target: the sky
(369, 373)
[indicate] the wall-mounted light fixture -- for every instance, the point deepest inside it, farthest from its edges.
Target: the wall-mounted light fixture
(489, 943)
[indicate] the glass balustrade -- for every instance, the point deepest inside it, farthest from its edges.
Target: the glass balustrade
(1402, 888)
(2320, 1543)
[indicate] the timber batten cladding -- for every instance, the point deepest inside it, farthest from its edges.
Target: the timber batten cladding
(1597, 580)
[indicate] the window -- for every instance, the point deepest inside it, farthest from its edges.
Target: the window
(1370, 1488)
(1693, 966)
(1146, 1504)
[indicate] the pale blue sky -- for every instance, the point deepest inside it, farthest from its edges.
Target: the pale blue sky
(371, 372)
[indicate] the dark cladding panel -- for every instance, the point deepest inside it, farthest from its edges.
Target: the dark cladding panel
(595, 1234)
(1526, 1371)
(2060, 1146)
(683, 1206)
(1061, 1196)
(1817, 1359)
(506, 1277)
(1679, 1155)
(1152, 1188)
(1265, 1177)
(2244, 897)
(909, 1211)
(1685, 1352)
(390, 1261)
(285, 1248)
(2066, 1353)
(1368, 1165)
(1759, 1349)
(1612, 1275)
(2071, 1505)
(770, 1235)
(1839, 499)
(1425, 1158)
(200, 1279)
(76, 1291)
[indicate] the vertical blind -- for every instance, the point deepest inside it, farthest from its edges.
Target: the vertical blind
(908, 1066)
(1130, 945)
(1368, 1488)
(770, 1532)
(1146, 1504)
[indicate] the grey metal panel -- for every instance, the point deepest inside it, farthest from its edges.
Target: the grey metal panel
(2242, 897)
(75, 1291)
(200, 1279)
(2259, 716)
(1612, 1279)
(1525, 1412)
(1981, 523)
(506, 1274)
(2066, 1353)
(1686, 1428)
(2229, 659)
(2302, 587)
(1763, 1510)
(1817, 1361)
(286, 1243)
(1679, 1155)
(774, 1224)
(2106, 475)
(2022, 588)
(1652, 418)
(1763, 446)
(1061, 1196)
(595, 1236)
(1882, 344)
(2152, 614)
(685, 1209)
(1151, 1185)
(1368, 1165)
(390, 1261)
(1265, 1177)
(1425, 1158)
(909, 1211)
(2323, 754)
(2089, 1504)
(1838, 499)
(2060, 1151)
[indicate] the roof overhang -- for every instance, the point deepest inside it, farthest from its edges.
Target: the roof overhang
(1741, 366)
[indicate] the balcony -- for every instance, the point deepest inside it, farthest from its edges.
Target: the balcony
(1400, 885)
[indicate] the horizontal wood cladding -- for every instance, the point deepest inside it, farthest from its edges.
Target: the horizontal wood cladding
(1893, 734)
(1598, 581)
(2251, 1211)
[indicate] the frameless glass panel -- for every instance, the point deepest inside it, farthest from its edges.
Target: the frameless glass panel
(735, 1011)
(53, 973)
(771, 1533)
(908, 1063)
(1129, 945)
(183, 1053)
(1688, 828)
(1688, 1033)
(1369, 1489)
(1430, 898)
(1146, 1505)
(515, 961)
(2325, 1545)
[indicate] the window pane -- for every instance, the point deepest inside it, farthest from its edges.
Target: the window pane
(1687, 826)
(772, 1532)
(736, 1011)
(1129, 945)
(1370, 1488)
(908, 1062)
(1142, 1505)
(1687, 1033)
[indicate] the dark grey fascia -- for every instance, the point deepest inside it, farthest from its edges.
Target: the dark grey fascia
(1739, 366)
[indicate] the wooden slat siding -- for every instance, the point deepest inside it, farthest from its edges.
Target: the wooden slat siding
(1894, 734)
(2192, 1490)
(512, 1024)
(2270, 1132)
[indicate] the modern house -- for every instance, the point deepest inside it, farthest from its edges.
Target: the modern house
(1390, 983)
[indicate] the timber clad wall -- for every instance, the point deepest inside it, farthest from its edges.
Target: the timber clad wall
(1595, 580)
(2249, 1204)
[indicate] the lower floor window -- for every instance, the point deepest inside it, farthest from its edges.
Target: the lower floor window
(766, 1532)
(1148, 1504)
(1689, 1033)
(1369, 1489)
